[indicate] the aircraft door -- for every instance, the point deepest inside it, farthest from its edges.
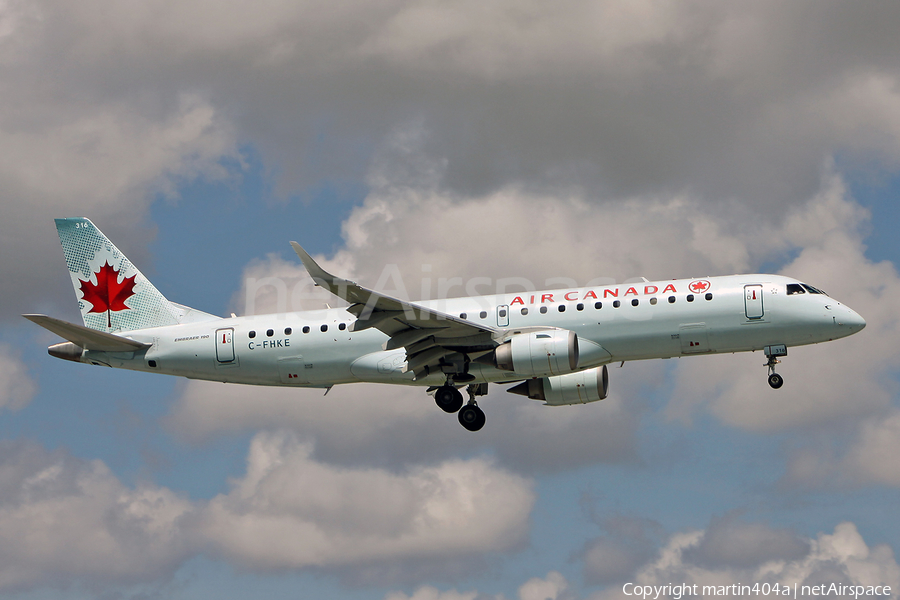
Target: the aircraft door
(225, 345)
(503, 315)
(753, 301)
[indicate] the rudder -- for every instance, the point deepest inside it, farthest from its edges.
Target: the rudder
(112, 293)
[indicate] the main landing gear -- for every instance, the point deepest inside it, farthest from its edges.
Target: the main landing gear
(773, 352)
(450, 400)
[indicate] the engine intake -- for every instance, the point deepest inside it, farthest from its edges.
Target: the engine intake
(574, 388)
(545, 352)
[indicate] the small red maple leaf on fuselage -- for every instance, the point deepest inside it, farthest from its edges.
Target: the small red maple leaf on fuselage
(108, 294)
(699, 286)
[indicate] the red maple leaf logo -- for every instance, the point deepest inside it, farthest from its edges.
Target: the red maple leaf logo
(108, 294)
(699, 286)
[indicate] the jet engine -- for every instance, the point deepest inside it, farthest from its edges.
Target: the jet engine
(582, 387)
(544, 352)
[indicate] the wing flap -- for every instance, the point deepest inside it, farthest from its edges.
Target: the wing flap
(89, 339)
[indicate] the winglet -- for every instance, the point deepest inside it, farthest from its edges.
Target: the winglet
(342, 288)
(319, 275)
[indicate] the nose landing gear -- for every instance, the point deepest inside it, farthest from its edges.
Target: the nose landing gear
(775, 380)
(773, 352)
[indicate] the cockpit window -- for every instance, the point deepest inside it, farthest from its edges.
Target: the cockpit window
(813, 290)
(794, 288)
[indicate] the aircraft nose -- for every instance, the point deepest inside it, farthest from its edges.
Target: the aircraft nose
(852, 320)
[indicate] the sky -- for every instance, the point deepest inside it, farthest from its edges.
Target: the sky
(437, 147)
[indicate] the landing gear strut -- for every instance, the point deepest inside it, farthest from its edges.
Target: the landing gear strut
(773, 352)
(471, 416)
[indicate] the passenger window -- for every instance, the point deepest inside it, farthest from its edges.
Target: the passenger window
(708, 296)
(616, 304)
(634, 302)
(324, 328)
(524, 311)
(287, 331)
(252, 334)
(342, 326)
(463, 315)
(598, 305)
(653, 301)
(502, 312)
(306, 329)
(483, 314)
(690, 297)
(671, 299)
(794, 288)
(270, 332)
(579, 306)
(543, 310)
(562, 308)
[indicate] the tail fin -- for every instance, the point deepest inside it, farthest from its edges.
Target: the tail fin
(112, 294)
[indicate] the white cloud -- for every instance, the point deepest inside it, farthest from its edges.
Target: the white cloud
(552, 587)
(104, 161)
(840, 557)
(17, 388)
(65, 521)
(290, 511)
(428, 592)
(100, 154)
(732, 99)
(728, 552)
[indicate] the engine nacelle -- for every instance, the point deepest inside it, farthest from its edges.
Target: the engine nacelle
(544, 352)
(574, 388)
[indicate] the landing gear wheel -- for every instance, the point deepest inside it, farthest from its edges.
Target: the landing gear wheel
(448, 398)
(773, 352)
(471, 417)
(776, 380)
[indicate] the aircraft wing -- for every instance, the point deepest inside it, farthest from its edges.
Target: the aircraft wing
(89, 339)
(427, 334)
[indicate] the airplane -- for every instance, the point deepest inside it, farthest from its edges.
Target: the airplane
(553, 345)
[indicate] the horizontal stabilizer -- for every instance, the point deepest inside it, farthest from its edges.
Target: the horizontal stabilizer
(89, 339)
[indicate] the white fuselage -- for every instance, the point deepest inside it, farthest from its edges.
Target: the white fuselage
(635, 321)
